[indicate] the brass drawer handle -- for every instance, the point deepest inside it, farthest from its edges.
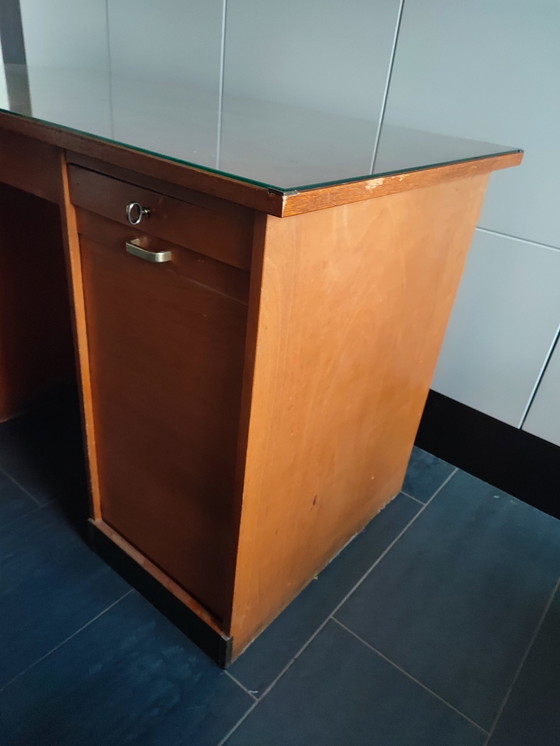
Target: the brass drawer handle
(133, 248)
(135, 212)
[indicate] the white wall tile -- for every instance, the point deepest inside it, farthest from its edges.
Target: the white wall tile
(503, 323)
(166, 68)
(490, 71)
(288, 63)
(318, 54)
(169, 41)
(64, 33)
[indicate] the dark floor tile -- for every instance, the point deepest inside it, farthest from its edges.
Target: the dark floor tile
(128, 678)
(273, 650)
(14, 502)
(340, 692)
(532, 714)
(42, 450)
(51, 585)
(425, 474)
(458, 598)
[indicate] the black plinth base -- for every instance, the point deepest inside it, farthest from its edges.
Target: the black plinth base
(216, 646)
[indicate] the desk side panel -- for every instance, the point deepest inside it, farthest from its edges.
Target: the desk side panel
(353, 305)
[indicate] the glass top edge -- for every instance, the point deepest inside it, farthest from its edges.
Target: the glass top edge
(286, 191)
(268, 185)
(275, 188)
(146, 151)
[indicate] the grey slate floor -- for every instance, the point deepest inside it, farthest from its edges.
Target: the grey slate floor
(438, 625)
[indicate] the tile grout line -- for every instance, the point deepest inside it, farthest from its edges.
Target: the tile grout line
(555, 344)
(409, 676)
(67, 639)
(240, 685)
(522, 661)
(221, 83)
(334, 611)
(416, 500)
(29, 494)
(387, 87)
(517, 238)
(33, 510)
(232, 730)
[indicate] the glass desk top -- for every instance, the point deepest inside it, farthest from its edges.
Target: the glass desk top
(280, 147)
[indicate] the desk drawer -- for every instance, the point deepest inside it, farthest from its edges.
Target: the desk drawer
(206, 225)
(200, 268)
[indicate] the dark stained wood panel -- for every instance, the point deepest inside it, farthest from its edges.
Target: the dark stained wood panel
(166, 361)
(224, 234)
(30, 165)
(200, 268)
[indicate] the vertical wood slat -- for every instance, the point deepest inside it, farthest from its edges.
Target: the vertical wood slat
(72, 243)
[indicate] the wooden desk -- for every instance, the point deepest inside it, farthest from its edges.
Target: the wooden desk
(251, 402)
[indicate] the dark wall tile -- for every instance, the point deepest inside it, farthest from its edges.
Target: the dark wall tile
(270, 653)
(458, 598)
(340, 692)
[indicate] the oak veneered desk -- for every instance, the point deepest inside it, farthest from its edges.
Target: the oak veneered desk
(254, 356)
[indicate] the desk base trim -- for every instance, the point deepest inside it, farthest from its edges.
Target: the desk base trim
(203, 632)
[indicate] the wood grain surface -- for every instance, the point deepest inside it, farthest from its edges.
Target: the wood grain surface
(354, 302)
(79, 328)
(224, 234)
(238, 434)
(222, 278)
(160, 576)
(30, 165)
(166, 359)
(341, 194)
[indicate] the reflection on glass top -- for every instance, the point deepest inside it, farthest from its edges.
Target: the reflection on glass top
(280, 146)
